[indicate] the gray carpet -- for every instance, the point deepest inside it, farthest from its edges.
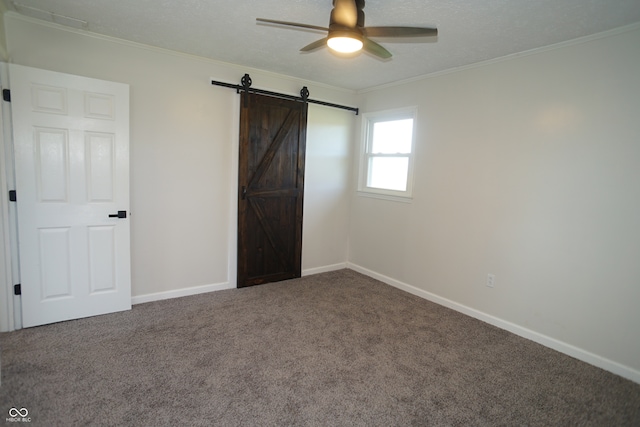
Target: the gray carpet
(334, 349)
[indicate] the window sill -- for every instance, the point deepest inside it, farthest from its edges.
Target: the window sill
(381, 196)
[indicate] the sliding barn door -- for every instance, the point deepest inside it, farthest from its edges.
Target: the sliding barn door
(271, 175)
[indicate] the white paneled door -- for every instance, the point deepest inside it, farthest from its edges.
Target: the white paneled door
(71, 140)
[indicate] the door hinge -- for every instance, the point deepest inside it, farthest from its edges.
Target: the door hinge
(17, 289)
(12, 196)
(6, 95)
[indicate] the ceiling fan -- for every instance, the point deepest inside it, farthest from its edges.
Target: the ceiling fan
(347, 32)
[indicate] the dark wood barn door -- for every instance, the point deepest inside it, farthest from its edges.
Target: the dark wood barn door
(271, 186)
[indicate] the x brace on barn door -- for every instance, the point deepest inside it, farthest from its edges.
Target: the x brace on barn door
(304, 93)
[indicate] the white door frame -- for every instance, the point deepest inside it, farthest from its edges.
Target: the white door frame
(10, 305)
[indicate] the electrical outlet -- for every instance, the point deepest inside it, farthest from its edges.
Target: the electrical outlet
(491, 280)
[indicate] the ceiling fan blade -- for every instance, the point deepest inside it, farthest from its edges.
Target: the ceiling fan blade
(344, 13)
(399, 31)
(315, 45)
(375, 49)
(293, 24)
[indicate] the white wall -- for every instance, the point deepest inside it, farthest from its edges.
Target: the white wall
(184, 136)
(327, 182)
(527, 168)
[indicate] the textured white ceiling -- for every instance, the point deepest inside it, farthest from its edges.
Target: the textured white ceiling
(470, 31)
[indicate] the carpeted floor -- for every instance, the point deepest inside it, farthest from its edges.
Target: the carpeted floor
(334, 349)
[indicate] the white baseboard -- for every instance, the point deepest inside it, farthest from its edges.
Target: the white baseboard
(140, 299)
(325, 269)
(195, 290)
(568, 349)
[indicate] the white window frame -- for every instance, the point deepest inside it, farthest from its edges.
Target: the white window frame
(368, 120)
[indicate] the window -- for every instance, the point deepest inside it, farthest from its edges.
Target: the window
(386, 166)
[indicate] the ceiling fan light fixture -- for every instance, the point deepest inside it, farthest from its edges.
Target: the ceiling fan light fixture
(345, 42)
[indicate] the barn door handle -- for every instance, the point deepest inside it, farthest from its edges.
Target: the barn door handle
(120, 214)
(244, 192)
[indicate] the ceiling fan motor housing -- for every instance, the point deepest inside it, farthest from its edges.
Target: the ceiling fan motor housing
(347, 21)
(347, 13)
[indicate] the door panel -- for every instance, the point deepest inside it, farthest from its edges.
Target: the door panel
(102, 260)
(55, 262)
(71, 138)
(52, 168)
(100, 149)
(271, 183)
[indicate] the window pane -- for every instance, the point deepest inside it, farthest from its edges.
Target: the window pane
(389, 173)
(392, 137)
